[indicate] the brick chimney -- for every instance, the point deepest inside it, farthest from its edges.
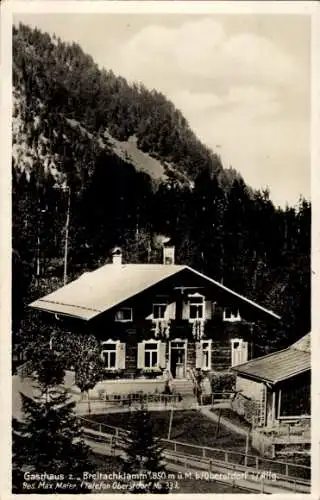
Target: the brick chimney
(168, 254)
(117, 256)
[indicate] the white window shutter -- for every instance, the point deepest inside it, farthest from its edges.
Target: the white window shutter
(210, 356)
(171, 311)
(234, 353)
(244, 352)
(239, 354)
(199, 355)
(185, 310)
(162, 354)
(140, 360)
(121, 356)
(208, 309)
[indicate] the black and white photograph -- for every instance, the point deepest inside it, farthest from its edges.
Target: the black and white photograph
(161, 249)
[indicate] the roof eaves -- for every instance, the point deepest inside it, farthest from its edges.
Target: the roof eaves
(69, 315)
(223, 287)
(252, 376)
(298, 372)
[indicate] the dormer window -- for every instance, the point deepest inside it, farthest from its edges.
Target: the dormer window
(231, 314)
(196, 306)
(159, 311)
(124, 314)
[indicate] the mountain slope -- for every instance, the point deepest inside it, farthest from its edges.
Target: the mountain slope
(55, 83)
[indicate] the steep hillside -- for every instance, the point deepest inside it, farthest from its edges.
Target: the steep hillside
(59, 90)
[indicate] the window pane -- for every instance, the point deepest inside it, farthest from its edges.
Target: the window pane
(177, 345)
(159, 311)
(180, 353)
(151, 346)
(196, 311)
(227, 313)
(196, 300)
(154, 358)
(124, 314)
(112, 358)
(147, 359)
(206, 359)
(109, 347)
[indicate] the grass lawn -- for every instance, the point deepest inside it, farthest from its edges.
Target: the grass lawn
(234, 418)
(188, 425)
(106, 464)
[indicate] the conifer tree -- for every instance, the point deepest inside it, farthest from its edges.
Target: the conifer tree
(143, 455)
(48, 439)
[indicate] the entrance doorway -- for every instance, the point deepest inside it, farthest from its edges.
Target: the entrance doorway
(178, 358)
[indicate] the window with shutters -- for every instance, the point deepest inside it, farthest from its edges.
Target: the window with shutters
(124, 314)
(109, 354)
(203, 354)
(151, 354)
(159, 311)
(196, 306)
(239, 352)
(113, 355)
(206, 350)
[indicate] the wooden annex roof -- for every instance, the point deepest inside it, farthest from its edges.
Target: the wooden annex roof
(278, 366)
(110, 285)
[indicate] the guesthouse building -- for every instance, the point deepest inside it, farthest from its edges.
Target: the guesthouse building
(155, 319)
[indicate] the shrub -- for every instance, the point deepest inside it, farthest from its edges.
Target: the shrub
(224, 382)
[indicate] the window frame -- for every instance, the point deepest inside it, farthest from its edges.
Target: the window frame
(232, 318)
(124, 320)
(240, 342)
(207, 349)
(159, 304)
(155, 349)
(108, 351)
(197, 303)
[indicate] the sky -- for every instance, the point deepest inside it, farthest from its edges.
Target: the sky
(241, 80)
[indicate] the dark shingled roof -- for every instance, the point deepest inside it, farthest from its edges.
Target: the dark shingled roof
(278, 366)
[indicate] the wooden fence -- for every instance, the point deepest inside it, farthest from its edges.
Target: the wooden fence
(113, 436)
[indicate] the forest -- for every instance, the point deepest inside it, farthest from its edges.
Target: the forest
(65, 110)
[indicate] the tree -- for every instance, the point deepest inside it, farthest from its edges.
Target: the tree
(84, 354)
(48, 439)
(143, 455)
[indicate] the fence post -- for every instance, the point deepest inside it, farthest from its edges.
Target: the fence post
(203, 452)
(226, 456)
(262, 485)
(247, 450)
(111, 445)
(175, 447)
(100, 428)
(287, 469)
(257, 463)
(233, 477)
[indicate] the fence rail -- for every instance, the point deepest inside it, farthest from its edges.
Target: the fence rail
(133, 398)
(114, 437)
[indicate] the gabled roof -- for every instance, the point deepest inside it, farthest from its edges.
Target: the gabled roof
(279, 366)
(98, 291)
(303, 344)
